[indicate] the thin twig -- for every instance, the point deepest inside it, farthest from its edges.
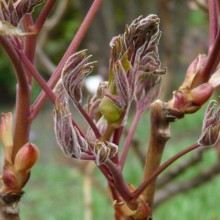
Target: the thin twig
(89, 120)
(37, 76)
(44, 14)
(181, 168)
(22, 125)
(213, 22)
(159, 170)
(176, 188)
(130, 137)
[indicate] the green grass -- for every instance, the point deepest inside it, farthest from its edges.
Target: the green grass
(55, 190)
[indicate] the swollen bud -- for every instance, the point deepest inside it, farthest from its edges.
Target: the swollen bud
(201, 93)
(26, 157)
(10, 180)
(109, 110)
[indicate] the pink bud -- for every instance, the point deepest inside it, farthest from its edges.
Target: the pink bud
(201, 93)
(10, 180)
(26, 157)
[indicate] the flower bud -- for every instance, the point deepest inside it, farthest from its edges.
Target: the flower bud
(110, 111)
(192, 72)
(26, 157)
(201, 93)
(104, 150)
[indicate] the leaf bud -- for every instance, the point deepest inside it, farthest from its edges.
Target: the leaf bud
(26, 157)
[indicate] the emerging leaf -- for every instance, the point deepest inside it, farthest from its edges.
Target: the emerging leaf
(61, 93)
(13, 11)
(23, 7)
(211, 126)
(104, 150)
(65, 132)
(75, 70)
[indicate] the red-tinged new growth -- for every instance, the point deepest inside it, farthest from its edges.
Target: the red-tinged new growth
(26, 157)
(202, 75)
(190, 98)
(15, 173)
(6, 134)
(211, 126)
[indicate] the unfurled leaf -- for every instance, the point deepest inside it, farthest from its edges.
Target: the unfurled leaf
(13, 11)
(22, 7)
(75, 70)
(8, 29)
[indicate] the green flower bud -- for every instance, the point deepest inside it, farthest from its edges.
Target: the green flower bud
(110, 111)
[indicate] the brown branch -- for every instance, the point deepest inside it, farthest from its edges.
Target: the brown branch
(176, 188)
(160, 133)
(9, 206)
(182, 167)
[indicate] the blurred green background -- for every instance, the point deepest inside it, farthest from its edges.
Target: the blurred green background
(56, 189)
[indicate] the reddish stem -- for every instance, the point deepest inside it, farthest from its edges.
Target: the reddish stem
(160, 169)
(120, 184)
(211, 64)
(71, 49)
(22, 125)
(29, 42)
(37, 76)
(129, 138)
(44, 14)
(213, 22)
(89, 120)
(213, 57)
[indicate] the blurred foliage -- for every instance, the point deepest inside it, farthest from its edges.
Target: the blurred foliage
(7, 80)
